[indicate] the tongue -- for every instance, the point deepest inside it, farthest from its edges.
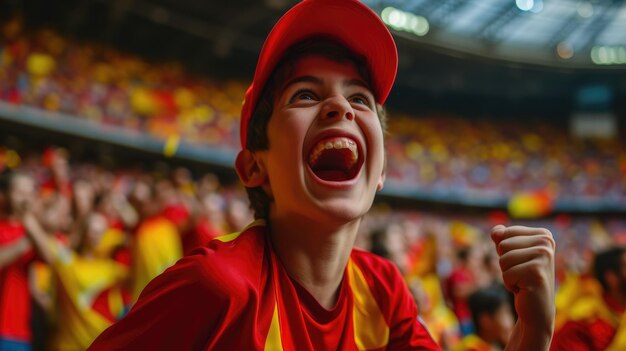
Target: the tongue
(333, 165)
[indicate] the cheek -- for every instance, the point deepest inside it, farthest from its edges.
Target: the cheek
(374, 134)
(286, 135)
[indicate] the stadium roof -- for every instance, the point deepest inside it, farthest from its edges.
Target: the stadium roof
(450, 50)
(567, 32)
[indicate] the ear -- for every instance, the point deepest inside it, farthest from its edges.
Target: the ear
(250, 170)
(381, 179)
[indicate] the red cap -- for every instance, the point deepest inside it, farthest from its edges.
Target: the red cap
(347, 21)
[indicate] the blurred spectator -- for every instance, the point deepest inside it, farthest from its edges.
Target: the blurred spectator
(389, 242)
(462, 283)
(156, 242)
(17, 191)
(438, 154)
(81, 276)
(493, 318)
(136, 201)
(598, 322)
(440, 321)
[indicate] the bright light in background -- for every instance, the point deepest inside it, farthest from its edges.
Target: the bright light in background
(585, 9)
(404, 21)
(565, 50)
(537, 7)
(608, 55)
(529, 5)
(525, 5)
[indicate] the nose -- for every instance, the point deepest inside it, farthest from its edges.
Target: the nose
(336, 108)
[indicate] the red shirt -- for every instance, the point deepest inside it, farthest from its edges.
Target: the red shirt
(235, 294)
(15, 305)
(202, 233)
(583, 336)
(460, 276)
(595, 333)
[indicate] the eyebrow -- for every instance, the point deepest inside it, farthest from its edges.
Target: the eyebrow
(301, 79)
(357, 82)
(318, 81)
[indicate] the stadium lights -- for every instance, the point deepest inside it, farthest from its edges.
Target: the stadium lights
(585, 9)
(529, 5)
(405, 21)
(565, 50)
(608, 55)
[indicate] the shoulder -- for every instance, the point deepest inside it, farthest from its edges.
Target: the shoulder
(382, 277)
(10, 231)
(375, 267)
(195, 298)
(392, 298)
(226, 267)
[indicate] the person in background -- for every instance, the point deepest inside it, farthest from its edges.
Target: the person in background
(17, 191)
(84, 300)
(436, 315)
(156, 242)
(598, 322)
(462, 283)
(493, 320)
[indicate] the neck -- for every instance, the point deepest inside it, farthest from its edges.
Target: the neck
(314, 253)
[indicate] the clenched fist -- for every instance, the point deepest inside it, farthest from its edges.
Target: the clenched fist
(527, 263)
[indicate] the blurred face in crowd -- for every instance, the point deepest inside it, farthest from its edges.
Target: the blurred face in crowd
(96, 226)
(396, 244)
(60, 167)
(56, 215)
(213, 208)
(142, 199)
(496, 327)
(83, 197)
(501, 323)
(208, 184)
(238, 214)
(621, 277)
(21, 194)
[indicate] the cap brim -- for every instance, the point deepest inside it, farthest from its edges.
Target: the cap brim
(347, 21)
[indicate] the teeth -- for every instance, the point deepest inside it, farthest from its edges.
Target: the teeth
(336, 143)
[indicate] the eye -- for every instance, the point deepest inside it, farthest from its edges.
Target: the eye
(360, 99)
(303, 94)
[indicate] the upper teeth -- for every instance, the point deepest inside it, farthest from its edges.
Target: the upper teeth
(334, 143)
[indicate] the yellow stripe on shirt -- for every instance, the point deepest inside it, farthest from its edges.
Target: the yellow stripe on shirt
(370, 329)
(273, 341)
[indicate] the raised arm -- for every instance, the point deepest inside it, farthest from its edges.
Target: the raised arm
(39, 237)
(527, 262)
(10, 252)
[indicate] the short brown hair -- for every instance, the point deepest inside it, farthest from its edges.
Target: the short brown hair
(257, 139)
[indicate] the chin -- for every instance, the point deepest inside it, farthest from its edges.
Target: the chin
(343, 210)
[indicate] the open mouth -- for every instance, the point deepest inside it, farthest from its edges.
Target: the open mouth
(335, 159)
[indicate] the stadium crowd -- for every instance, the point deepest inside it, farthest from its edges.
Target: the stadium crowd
(82, 241)
(79, 241)
(493, 159)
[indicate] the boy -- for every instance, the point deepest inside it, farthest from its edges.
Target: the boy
(312, 159)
